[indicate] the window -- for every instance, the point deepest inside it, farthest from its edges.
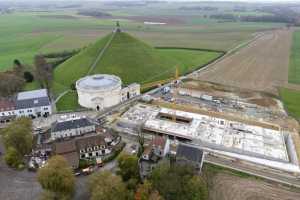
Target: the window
(90, 154)
(82, 155)
(46, 108)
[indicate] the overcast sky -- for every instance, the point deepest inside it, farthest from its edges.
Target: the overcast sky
(261, 1)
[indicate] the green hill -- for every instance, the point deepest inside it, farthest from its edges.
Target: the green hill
(129, 58)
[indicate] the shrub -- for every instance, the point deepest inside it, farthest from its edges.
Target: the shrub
(28, 77)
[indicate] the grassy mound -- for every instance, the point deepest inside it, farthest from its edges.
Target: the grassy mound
(128, 58)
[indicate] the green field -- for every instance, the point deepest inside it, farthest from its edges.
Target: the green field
(25, 34)
(291, 99)
(294, 66)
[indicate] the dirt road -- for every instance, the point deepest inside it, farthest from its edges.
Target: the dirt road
(262, 65)
(230, 187)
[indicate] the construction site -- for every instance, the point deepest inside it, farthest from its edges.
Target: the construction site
(236, 124)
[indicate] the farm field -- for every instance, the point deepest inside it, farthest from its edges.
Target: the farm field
(25, 34)
(291, 99)
(294, 66)
(226, 186)
(262, 65)
(290, 94)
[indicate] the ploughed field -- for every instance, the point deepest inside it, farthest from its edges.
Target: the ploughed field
(262, 65)
(230, 187)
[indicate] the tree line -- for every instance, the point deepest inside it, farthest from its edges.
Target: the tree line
(13, 81)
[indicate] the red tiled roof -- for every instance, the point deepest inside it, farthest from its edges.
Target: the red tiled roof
(6, 105)
(159, 141)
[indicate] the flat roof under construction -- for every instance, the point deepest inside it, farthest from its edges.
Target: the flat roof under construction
(217, 132)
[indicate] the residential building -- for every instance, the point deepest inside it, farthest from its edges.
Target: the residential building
(92, 147)
(84, 147)
(7, 111)
(158, 148)
(35, 103)
(72, 127)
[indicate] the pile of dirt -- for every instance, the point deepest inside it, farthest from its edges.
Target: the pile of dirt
(265, 102)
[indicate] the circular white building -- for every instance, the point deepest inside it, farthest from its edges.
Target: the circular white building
(99, 91)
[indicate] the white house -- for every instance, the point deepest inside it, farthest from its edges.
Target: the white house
(35, 103)
(72, 127)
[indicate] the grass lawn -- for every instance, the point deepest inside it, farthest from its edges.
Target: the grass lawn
(291, 100)
(294, 66)
(69, 102)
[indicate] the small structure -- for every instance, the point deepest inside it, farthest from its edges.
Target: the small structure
(102, 91)
(130, 91)
(35, 103)
(7, 111)
(187, 155)
(72, 127)
(118, 27)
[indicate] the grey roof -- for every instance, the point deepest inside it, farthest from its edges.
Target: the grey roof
(99, 81)
(71, 124)
(189, 153)
(32, 94)
(33, 102)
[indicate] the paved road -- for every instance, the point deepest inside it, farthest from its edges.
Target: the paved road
(16, 185)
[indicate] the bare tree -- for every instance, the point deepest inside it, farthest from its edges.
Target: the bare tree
(44, 71)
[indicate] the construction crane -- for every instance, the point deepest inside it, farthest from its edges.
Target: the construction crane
(161, 82)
